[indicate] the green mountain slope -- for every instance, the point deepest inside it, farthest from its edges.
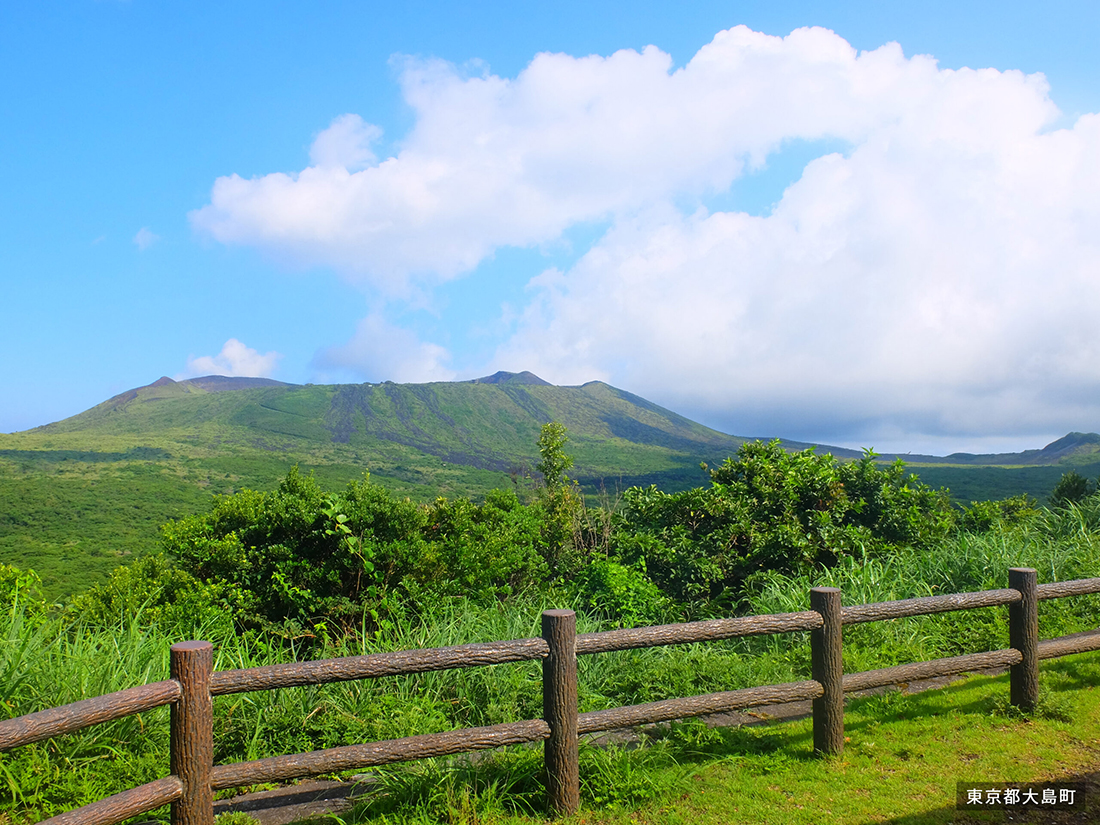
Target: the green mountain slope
(394, 430)
(78, 495)
(1074, 448)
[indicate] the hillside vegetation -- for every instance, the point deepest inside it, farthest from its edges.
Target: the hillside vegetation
(79, 496)
(306, 571)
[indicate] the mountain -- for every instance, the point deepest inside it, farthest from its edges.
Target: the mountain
(401, 431)
(78, 495)
(1071, 448)
(489, 424)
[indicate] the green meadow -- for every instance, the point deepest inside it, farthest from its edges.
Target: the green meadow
(305, 570)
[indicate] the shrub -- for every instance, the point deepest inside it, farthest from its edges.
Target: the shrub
(768, 509)
(300, 559)
(1072, 488)
(621, 594)
(983, 516)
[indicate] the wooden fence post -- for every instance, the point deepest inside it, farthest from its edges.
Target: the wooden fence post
(192, 745)
(559, 709)
(826, 652)
(1023, 634)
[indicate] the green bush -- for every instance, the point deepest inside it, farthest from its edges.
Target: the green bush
(304, 560)
(154, 592)
(983, 516)
(1072, 488)
(768, 509)
(621, 594)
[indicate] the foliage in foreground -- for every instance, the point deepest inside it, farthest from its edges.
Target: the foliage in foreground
(301, 572)
(306, 560)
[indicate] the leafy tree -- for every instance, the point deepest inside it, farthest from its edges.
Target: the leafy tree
(553, 461)
(301, 560)
(559, 499)
(768, 509)
(1072, 488)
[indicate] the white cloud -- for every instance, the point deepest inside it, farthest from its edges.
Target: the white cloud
(907, 286)
(942, 277)
(345, 144)
(234, 360)
(494, 162)
(379, 351)
(144, 238)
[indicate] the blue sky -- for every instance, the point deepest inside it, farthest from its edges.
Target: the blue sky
(815, 235)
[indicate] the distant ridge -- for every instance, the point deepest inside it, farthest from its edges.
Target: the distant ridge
(1070, 448)
(223, 383)
(431, 434)
(490, 422)
(502, 377)
(165, 387)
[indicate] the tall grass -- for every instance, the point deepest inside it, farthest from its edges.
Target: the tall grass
(46, 661)
(1060, 545)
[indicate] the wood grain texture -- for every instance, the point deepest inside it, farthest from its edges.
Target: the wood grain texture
(34, 727)
(559, 709)
(1077, 587)
(1068, 645)
(691, 706)
(191, 749)
(297, 674)
(279, 768)
(879, 611)
(122, 806)
(1023, 635)
(827, 668)
(706, 631)
(930, 670)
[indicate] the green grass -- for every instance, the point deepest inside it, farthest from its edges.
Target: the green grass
(78, 496)
(903, 756)
(46, 665)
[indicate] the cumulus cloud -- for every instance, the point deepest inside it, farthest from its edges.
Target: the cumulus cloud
(235, 360)
(144, 238)
(345, 144)
(494, 161)
(940, 277)
(381, 351)
(906, 289)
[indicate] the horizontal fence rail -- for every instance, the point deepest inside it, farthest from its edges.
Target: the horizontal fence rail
(1068, 645)
(34, 727)
(403, 663)
(1079, 587)
(133, 802)
(692, 706)
(190, 786)
(900, 674)
(352, 757)
(712, 630)
(927, 605)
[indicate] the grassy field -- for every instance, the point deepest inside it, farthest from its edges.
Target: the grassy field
(903, 756)
(79, 496)
(902, 759)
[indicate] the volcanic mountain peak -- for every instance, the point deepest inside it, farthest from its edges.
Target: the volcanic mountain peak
(502, 377)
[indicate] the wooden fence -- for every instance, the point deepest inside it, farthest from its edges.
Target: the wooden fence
(193, 683)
